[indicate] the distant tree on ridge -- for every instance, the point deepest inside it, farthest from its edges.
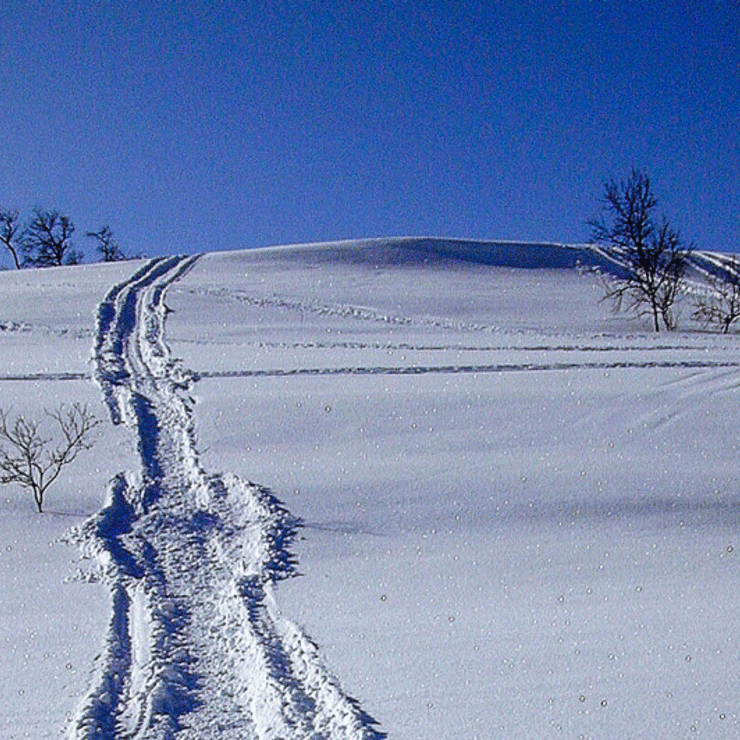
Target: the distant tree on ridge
(721, 305)
(9, 226)
(651, 251)
(47, 241)
(107, 247)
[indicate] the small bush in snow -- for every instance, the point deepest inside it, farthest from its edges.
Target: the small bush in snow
(34, 460)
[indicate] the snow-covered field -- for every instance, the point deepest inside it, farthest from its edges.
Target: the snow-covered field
(514, 514)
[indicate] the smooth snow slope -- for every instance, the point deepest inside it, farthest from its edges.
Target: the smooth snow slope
(519, 511)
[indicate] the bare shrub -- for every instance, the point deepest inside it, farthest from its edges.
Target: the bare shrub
(33, 460)
(721, 304)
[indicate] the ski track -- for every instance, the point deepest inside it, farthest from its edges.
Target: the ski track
(507, 367)
(366, 314)
(52, 377)
(196, 647)
(468, 369)
(362, 313)
(334, 310)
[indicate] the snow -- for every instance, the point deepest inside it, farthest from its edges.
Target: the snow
(517, 511)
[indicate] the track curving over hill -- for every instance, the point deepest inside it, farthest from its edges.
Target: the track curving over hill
(196, 647)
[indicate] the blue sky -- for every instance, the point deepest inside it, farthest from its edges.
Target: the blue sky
(193, 126)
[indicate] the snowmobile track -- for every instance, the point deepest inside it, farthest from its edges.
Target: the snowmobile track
(196, 647)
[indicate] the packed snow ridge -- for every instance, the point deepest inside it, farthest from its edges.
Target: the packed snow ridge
(196, 646)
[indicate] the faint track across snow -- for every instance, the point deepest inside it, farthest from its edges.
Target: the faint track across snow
(504, 367)
(469, 369)
(196, 648)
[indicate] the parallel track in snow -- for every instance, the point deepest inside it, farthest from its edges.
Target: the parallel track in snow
(471, 369)
(195, 648)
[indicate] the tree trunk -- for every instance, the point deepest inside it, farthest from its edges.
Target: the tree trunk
(15, 257)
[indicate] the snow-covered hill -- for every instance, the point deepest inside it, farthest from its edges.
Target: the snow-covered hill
(516, 513)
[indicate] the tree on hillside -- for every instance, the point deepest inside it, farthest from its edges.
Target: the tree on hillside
(107, 247)
(47, 241)
(9, 225)
(650, 251)
(33, 460)
(721, 305)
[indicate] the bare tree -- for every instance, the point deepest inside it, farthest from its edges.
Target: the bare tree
(9, 225)
(47, 241)
(721, 304)
(651, 252)
(33, 460)
(107, 246)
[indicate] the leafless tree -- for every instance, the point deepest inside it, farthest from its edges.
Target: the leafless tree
(107, 246)
(47, 241)
(650, 251)
(33, 460)
(9, 225)
(721, 305)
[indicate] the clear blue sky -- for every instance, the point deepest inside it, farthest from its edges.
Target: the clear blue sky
(192, 126)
